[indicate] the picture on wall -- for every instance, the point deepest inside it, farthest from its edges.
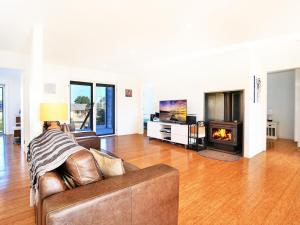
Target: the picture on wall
(128, 93)
(257, 89)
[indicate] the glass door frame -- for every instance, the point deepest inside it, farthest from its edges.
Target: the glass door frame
(91, 124)
(113, 107)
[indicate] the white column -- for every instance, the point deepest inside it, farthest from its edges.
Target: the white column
(297, 106)
(35, 83)
(255, 113)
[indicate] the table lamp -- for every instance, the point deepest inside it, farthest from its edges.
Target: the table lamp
(270, 115)
(52, 113)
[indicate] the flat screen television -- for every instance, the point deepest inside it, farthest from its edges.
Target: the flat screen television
(174, 111)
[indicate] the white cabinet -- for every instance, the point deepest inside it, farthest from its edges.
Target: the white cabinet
(179, 134)
(153, 130)
(176, 133)
(180, 139)
(180, 129)
(272, 129)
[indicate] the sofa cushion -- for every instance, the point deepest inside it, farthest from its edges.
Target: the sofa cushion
(82, 168)
(109, 165)
(50, 183)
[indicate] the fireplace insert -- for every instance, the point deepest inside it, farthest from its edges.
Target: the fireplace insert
(225, 136)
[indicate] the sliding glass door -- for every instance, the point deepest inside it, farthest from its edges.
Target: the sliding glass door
(81, 97)
(105, 108)
(1, 109)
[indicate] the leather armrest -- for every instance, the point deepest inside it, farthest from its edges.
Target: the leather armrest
(84, 133)
(89, 142)
(119, 200)
(49, 184)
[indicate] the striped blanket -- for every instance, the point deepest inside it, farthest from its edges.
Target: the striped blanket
(47, 152)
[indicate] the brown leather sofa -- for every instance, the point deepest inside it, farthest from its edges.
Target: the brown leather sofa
(139, 197)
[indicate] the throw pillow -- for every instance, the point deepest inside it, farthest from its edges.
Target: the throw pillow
(82, 168)
(108, 165)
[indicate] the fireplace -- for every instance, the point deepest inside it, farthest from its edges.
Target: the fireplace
(221, 134)
(224, 113)
(226, 136)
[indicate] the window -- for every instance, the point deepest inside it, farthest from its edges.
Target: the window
(81, 105)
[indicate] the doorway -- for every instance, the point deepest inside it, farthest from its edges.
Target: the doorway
(1, 109)
(105, 109)
(281, 105)
(11, 103)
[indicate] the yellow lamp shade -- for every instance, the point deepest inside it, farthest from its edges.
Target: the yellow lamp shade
(54, 112)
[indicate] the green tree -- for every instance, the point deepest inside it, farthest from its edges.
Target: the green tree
(82, 100)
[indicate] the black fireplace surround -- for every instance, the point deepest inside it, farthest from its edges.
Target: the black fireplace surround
(225, 133)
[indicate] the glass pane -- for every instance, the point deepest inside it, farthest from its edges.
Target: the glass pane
(1, 110)
(81, 110)
(222, 134)
(105, 109)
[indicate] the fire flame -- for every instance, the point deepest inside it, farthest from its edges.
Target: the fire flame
(222, 134)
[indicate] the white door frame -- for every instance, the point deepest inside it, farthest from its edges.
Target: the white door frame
(3, 109)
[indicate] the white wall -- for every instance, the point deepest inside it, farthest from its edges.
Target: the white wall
(214, 70)
(128, 110)
(231, 68)
(281, 101)
(11, 78)
(297, 106)
(128, 116)
(148, 101)
(190, 79)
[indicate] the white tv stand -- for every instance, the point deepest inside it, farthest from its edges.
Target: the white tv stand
(172, 132)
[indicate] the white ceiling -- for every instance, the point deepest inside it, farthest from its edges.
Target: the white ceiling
(115, 33)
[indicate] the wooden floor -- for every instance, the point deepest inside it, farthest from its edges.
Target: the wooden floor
(262, 190)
